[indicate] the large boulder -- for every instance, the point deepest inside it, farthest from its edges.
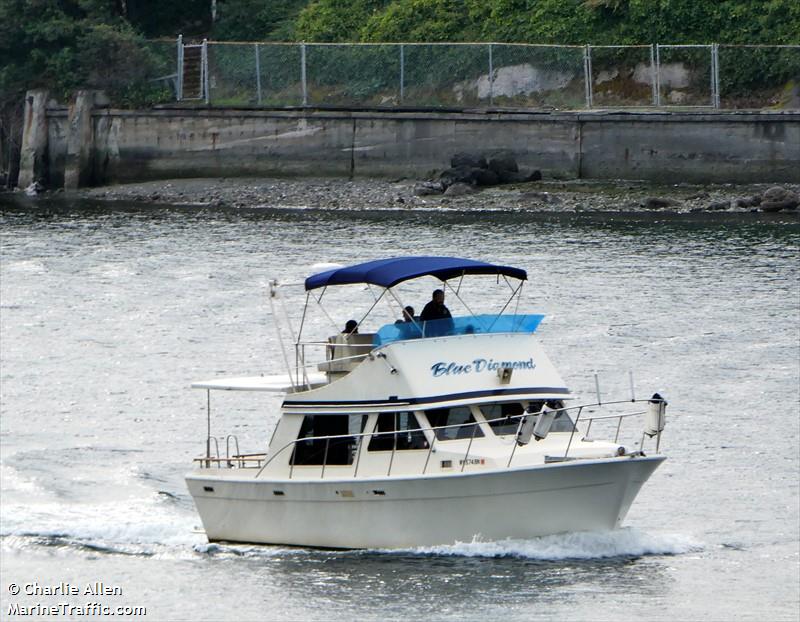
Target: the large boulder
(459, 190)
(746, 202)
(519, 177)
(468, 175)
(485, 177)
(428, 188)
(458, 175)
(777, 198)
(503, 162)
(468, 160)
(473, 169)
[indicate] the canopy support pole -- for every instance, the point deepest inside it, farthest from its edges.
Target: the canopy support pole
(303, 352)
(272, 294)
(450, 287)
(402, 308)
(319, 303)
(208, 427)
(388, 303)
(508, 302)
(374, 304)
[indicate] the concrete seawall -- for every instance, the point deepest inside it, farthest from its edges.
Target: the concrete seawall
(659, 146)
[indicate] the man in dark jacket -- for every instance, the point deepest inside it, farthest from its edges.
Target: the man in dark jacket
(435, 309)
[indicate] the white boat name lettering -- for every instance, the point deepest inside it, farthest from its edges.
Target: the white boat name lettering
(444, 368)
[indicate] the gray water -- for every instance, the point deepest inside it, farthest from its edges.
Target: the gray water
(108, 314)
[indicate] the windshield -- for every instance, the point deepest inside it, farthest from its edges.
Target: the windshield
(504, 418)
(463, 325)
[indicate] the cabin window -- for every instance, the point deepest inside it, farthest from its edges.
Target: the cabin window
(563, 422)
(506, 425)
(332, 451)
(398, 431)
(461, 416)
(499, 417)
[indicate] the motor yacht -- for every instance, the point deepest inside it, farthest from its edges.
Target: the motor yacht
(421, 431)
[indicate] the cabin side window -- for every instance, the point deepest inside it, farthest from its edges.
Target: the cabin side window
(397, 431)
(503, 418)
(460, 416)
(330, 451)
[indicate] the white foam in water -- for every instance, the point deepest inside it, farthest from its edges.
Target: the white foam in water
(583, 545)
(32, 266)
(10, 480)
(142, 526)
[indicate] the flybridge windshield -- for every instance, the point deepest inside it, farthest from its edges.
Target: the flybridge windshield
(469, 325)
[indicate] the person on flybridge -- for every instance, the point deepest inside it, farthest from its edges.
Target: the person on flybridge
(435, 309)
(408, 315)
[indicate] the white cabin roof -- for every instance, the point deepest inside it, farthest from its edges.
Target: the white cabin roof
(277, 383)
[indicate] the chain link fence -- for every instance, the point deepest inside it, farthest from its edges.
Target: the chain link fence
(490, 75)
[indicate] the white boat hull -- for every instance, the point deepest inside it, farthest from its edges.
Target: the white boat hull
(584, 495)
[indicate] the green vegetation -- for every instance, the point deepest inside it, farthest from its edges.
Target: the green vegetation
(66, 44)
(553, 21)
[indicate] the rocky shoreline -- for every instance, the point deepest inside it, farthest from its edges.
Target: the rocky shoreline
(534, 196)
(566, 196)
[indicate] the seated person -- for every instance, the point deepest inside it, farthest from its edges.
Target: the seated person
(408, 327)
(350, 328)
(408, 316)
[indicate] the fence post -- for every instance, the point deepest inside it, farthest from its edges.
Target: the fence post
(179, 72)
(715, 75)
(258, 76)
(491, 77)
(204, 71)
(303, 73)
(402, 72)
(653, 74)
(658, 74)
(587, 74)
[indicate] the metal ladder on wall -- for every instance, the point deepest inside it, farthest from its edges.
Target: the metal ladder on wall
(192, 71)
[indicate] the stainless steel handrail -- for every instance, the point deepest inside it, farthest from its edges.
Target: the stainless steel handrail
(474, 424)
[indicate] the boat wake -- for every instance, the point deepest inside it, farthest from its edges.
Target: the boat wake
(626, 543)
(619, 543)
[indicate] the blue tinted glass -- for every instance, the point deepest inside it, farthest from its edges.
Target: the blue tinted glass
(478, 324)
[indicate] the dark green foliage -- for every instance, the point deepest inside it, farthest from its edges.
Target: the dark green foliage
(554, 21)
(62, 45)
(336, 20)
(257, 20)
(162, 18)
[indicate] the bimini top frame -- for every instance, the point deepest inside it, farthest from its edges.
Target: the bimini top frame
(386, 273)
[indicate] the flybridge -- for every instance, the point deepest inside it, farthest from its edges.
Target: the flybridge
(343, 351)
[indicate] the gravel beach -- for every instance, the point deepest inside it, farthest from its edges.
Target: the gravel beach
(377, 194)
(551, 196)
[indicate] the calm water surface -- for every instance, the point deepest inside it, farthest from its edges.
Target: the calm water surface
(109, 313)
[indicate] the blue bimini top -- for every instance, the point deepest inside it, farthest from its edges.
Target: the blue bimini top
(390, 272)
